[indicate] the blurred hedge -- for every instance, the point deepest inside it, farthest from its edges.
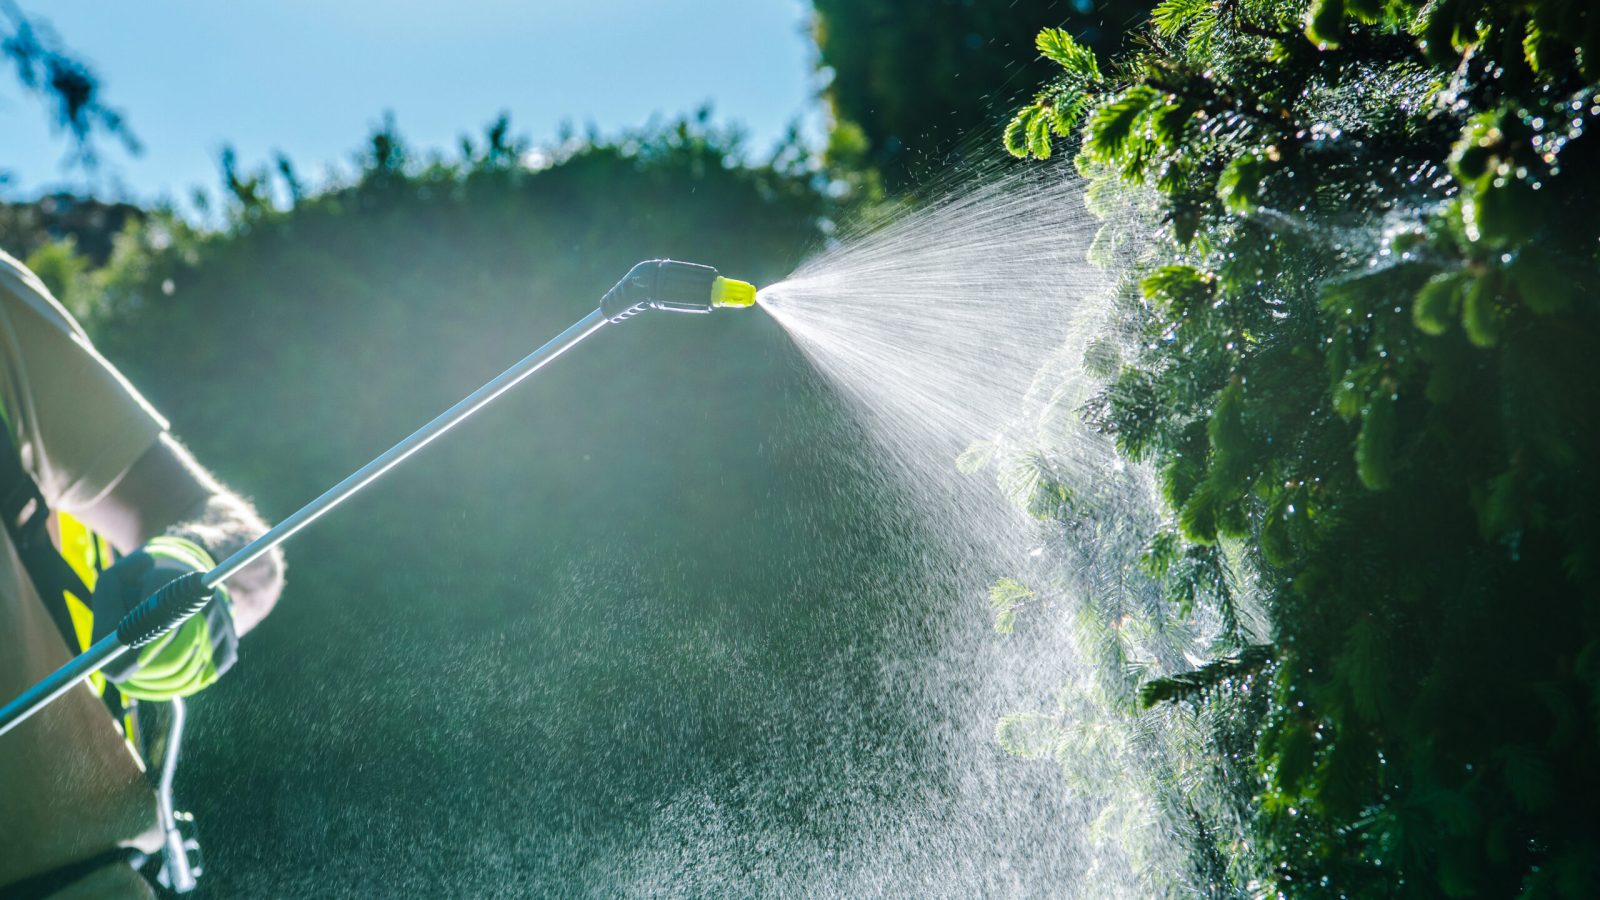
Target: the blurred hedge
(640, 572)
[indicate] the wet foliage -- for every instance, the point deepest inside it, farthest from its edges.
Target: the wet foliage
(1363, 362)
(914, 82)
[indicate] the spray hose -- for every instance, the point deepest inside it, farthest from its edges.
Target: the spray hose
(662, 284)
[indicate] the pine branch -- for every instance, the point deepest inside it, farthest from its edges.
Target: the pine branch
(1191, 686)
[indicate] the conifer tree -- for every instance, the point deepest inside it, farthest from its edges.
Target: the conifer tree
(911, 80)
(1366, 366)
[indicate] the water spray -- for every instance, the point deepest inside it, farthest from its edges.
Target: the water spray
(662, 284)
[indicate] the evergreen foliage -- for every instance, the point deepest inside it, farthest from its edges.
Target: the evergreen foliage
(1366, 358)
(912, 78)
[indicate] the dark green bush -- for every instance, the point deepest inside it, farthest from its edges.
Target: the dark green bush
(1367, 363)
(913, 80)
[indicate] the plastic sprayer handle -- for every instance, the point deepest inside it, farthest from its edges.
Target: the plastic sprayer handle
(164, 610)
(158, 614)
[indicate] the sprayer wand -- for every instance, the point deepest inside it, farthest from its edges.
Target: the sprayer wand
(654, 284)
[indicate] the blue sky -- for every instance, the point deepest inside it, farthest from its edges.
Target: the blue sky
(310, 77)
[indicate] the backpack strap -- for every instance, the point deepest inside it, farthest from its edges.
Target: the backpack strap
(26, 516)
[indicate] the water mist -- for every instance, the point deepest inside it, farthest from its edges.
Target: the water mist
(965, 336)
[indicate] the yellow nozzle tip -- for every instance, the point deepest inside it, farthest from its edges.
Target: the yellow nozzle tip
(732, 293)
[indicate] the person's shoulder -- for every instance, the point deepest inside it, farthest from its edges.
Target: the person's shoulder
(22, 291)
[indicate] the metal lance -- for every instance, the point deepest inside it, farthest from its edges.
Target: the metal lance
(654, 284)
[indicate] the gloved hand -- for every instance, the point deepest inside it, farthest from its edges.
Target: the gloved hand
(180, 662)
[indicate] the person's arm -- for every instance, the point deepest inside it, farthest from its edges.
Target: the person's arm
(97, 450)
(166, 492)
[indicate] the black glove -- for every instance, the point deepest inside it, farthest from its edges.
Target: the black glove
(186, 659)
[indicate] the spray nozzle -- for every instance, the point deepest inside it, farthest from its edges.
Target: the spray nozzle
(675, 287)
(731, 293)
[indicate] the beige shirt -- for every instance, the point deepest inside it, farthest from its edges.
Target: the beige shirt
(69, 786)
